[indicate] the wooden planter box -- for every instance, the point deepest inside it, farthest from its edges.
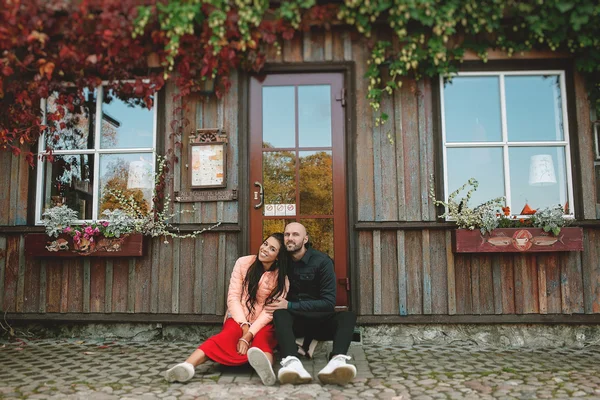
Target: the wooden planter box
(41, 245)
(516, 240)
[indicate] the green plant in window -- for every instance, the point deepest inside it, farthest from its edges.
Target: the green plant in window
(550, 219)
(57, 219)
(493, 214)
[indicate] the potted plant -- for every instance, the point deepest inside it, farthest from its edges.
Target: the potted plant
(491, 228)
(113, 236)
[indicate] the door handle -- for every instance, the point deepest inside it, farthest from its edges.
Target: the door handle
(259, 195)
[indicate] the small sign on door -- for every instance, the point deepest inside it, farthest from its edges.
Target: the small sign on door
(269, 210)
(290, 209)
(280, 210)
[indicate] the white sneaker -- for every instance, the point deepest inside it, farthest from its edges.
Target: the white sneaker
(337, 371)
(182, 372)
(261, 364)
(292, 371)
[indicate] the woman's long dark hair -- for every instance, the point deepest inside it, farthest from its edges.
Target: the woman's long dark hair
(256, 270)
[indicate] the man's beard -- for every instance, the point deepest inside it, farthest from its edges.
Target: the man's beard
(294, 248)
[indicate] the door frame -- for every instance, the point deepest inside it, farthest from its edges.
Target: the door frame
(347, 68)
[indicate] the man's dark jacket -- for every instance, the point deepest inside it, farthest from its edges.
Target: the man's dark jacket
(312, 283)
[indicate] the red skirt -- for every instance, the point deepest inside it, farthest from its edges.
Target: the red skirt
(222, 347)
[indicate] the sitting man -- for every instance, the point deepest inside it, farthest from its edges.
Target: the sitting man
(309, 312)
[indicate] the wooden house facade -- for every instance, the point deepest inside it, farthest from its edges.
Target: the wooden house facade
(393, 255)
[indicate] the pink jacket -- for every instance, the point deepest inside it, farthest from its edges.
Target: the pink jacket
(237, 295)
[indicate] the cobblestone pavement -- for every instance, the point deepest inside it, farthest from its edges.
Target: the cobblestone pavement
(74, 369)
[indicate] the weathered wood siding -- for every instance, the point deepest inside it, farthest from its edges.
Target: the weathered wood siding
(150, 284)
(419, 275)
(394, 270)
(14, 184)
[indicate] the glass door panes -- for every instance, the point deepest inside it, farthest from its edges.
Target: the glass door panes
(297, 160)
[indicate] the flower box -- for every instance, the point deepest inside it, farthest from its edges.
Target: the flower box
(516, 240)
(41, 245)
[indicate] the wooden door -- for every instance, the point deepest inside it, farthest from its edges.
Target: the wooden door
(297, 163)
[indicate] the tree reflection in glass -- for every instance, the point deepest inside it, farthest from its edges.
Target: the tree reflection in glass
(316, 183)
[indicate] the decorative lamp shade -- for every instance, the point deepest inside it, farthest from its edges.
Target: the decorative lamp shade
(541, 170)
(140, 175)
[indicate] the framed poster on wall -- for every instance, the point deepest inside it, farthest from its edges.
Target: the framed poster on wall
(208, 165)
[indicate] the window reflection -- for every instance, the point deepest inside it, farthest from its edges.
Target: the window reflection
(69, 181)
(124, 126)
(472, 109)
(128, 174)
(484, 164)
(537, 177)
(72, 118)
(271, 226)
(320, 234)
(314, 116)
(316, 183)
(279, 116)
(533, 108)
(279, 177)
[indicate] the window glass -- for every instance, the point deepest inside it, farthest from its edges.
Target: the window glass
(124, 126)
(279, 180)
(314, 116)
(534, 108)
(75, 129)
(68, 175)
(128, 175)
(516, 167)
(538, 177)
(484, 164)
(69, 180)
(316, 183)
(472, 109)
(279, 116)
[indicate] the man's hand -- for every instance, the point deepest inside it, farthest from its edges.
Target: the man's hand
(281, 304)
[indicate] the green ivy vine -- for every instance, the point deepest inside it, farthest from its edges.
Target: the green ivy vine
(428, 37)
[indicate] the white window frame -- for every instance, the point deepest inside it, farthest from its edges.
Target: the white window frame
(504, 143)
(96, 152)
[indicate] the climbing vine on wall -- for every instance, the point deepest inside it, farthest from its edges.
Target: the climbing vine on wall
(47, 43)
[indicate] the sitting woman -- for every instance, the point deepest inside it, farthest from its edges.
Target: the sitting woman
(248, 334)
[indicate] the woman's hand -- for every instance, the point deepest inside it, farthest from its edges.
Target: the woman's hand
(242, 347)
(244, 343)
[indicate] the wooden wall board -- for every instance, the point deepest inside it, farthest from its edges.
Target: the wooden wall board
(5, 182)
(53, 279)
(414, 271)
(410, 132)
(209, 272)
(389, 273)
(143, 281)
(462, 270)
(165, 277)
(507, 283)
(97, 284)
(198, 274)
(364, 141)
(186, 276)
(591, 271)
(365, 275)
(120, 285)
(75, 289)
(11, 274)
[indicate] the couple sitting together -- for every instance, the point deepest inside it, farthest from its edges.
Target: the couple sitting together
(285, 291)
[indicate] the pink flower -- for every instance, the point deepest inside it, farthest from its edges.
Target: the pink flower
(105, 224)
(96, 230)
(67, 229)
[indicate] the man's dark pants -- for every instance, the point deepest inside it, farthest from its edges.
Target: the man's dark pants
(336, 326)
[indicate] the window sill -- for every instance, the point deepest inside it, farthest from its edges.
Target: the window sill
(41, 245)
(516, 240)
